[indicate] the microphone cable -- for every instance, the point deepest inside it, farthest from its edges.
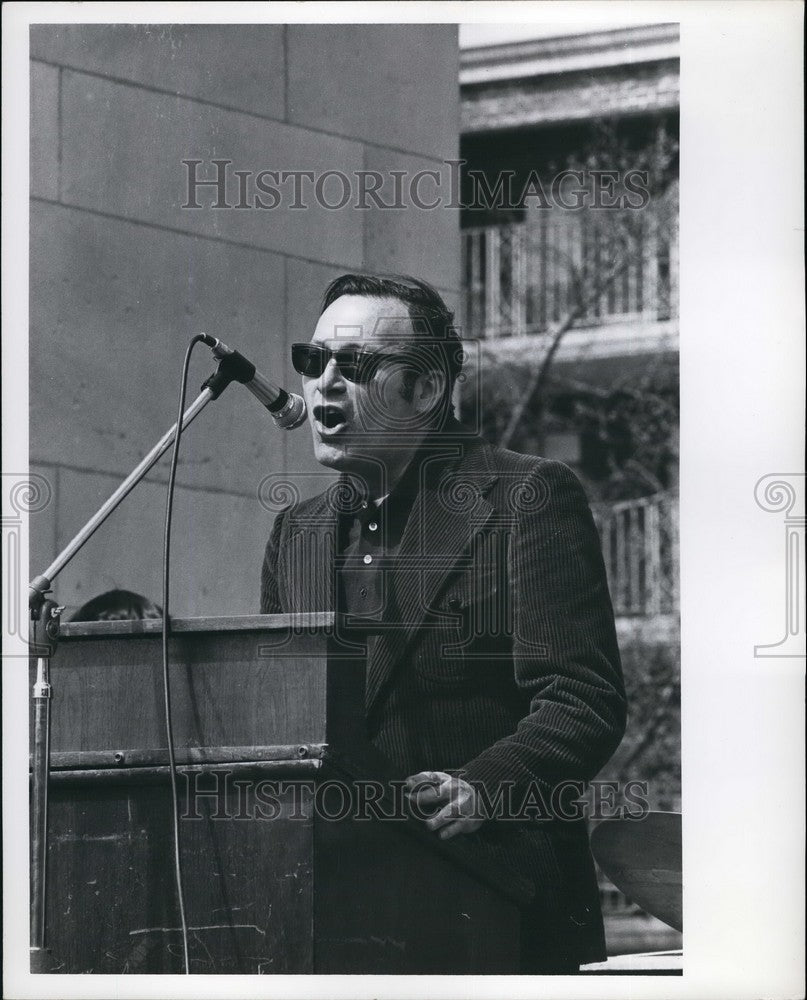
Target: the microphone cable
(169, 732)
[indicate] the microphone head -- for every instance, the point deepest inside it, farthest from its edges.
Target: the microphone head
(293, 414)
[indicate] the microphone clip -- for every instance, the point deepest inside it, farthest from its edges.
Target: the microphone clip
(233, 367)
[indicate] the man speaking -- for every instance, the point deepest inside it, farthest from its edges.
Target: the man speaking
(499, 668)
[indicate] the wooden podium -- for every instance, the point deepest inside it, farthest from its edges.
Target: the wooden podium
(268, 720)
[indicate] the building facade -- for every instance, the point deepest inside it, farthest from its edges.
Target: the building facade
(570, 275)
(570, 279)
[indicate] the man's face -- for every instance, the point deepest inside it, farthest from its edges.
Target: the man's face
(354, 423)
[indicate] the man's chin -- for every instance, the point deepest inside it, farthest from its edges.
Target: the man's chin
(332, 456)
(343, 458)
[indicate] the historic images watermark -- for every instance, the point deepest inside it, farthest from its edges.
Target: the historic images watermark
(783, 493)
(23, 495)
(221, 184)
(222, 794)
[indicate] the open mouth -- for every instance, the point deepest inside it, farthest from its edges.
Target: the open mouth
(330, 419)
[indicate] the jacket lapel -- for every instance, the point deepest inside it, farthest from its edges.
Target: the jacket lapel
(449, 509)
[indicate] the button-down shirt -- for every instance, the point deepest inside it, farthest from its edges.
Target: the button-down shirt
(370, 538)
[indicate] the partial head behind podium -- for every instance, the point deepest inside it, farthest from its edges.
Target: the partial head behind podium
(116, 606)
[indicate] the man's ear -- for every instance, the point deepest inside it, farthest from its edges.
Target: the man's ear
(429, 389)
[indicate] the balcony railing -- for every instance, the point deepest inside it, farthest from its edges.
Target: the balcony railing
(523, 278)
(640, 548)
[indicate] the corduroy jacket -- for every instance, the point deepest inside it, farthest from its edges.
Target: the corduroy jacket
(503, 665)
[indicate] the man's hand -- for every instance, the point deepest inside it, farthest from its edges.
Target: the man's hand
(428, 790)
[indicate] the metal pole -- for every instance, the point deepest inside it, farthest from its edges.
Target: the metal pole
(43, 635)
(41, 696)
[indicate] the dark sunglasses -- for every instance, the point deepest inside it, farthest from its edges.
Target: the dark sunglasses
(356, 364)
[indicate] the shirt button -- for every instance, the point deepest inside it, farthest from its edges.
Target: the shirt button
(364, 505)
(372, 526)
(367, 560)
(363, 591)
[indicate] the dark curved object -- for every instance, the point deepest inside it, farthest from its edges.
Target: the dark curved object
(643, 860)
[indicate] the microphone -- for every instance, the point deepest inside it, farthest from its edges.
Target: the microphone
(287, 408)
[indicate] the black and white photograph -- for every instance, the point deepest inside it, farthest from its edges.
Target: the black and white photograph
(377, 472)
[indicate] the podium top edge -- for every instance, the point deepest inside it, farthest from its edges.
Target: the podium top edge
(230, 623)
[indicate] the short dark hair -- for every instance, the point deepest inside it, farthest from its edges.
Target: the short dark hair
(432, 320)
(117, 605)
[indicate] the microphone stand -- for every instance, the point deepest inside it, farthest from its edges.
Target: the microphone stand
(44, 633)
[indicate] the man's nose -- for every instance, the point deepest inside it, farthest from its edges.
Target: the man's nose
(332, 378)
